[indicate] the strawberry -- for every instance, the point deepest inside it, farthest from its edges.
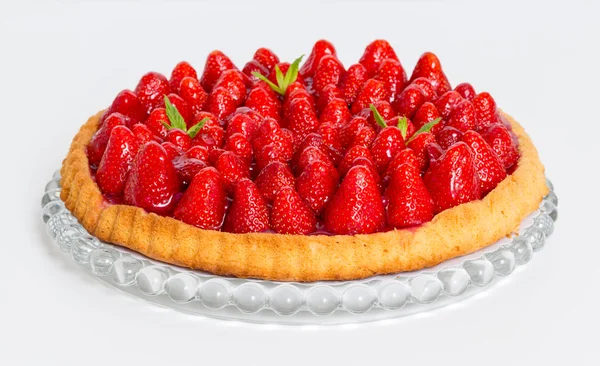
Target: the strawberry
(265, 102)
(329, 93)
(269, 133)
(427, 112)
(406, 156)
(430, 68)
(182, 107)
(409, 100)
(485, 110)
(117, 159)
(364, 137)
(216, 63)
(232, 169)
(408, 201)
(191, 91)
(266, 58)
(309, 155)
(181, 71)
(350, 129)
(317, 140)
(336, 113)
(452, 178)
(465, 90)
(371, 92)
(248, 212)
(99, 141)
(489, 167)
(128, 104)
(317, 184)
(434, 151)
(272, 178)
(197, 152)
(143, 134)
(384, 109)
(187, 168)
(152, 181)
(290, 215)
(447, 102)
(462, 117)
(155, 120)
(302, 118)
(356, 207)
(419, 146)
(291, 96)
(352, 82)
(242, 124)
(172, 150)
(240, 146)
(448, 136)
(203, 203)
(375, 53)
(254, 115)
(428, 90)
(321, 49)
(331, 139)
(503, 143)
(282, 76)
(151, 89)
(253, 66)
(233, 81)
(387, 144)
(393, 76)
(353, 153)
(329, 71)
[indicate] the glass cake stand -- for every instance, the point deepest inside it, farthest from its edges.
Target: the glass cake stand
(326, 302)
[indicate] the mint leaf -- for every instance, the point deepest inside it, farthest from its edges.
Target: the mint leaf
(425, 128)
(167, 126)
(403, 126)
(175, 117)
(292, 74)
(269, 82)
(193, 131)
(283, 81)
(378, 117)
(279, 76)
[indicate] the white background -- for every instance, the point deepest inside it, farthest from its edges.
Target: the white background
(60, 63)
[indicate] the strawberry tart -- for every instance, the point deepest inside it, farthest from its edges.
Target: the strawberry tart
(303, 171)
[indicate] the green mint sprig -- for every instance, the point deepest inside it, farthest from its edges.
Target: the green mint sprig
(176, 120)
(283, 81)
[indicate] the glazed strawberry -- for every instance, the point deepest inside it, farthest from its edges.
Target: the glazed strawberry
(317, 184)
(352, 82)
(242, 124)
(187, 168)
(408, 201)
(330, 92)
(249, 112)
(216, 64)
(393, 76)
(329, 71)
(406, 156)
(265, 102)
(120, 151)
(253, 66)
(269, 133)
(409, 100)
(447, 102)
(353, 153)
(172, 151)
(182, 107)
(350, 129)
(143, 134)
(385, 110)
(364, 137)
(232, 169)
(128, 104)
(309, 155)
(152, 181)
(321, 49)
(290, 215)
(151, 89)
(100, 139)
(192, 92)
(331, 139)
(292, 96)
(203, 203)
(489, 167)
(181, 71)
(331, 150)
(430, 68)
(434, 151)
(452, 179)
(267, 58)
(465, 90)
(248, 212)
(419, 146)
(502, 142)
(427, 112)
(428, 90)
(221, 103)
(462, 116)
(155, 120)
(356, 207)
(197, 152)
(272, 178)
(233, 81)
(211, 138)
(375, 53)
(240, 146)
(302, 118)
(336, 113)
(387, 144)
(485, 110)
(371, 92)
(448, 136)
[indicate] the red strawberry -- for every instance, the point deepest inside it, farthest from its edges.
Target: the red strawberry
(99, 141)
(269, 133)
(448, 136)
(203, 203)
(408, 201)
(387, 144)
(356, 207)
(267, 58)
(179, 138)
(152, 182)
(409, 101)
(352, 82)
(317, 184)
(434, 151)
(452, 179)
(354, 152)
(214, 155)
(242, 124)
(489, 167)
(253, 66)
(332, 151)
(427, 112)
(406, 156)
(329, 71)
(143, 134)
(374, 54)
(419, 145)
(234, 81)
(216, 64)
(364, 137)
(331, 139)
(465, 90)
(187, 168)
(321, 49)
(232, 169)
(462, 116)
(117, 159)
(272, 178)
(191, 91)
(428, 90)
(254, 115)
(181, 71)
(430, 68)
(265, 102)
(350, 129)
(211, 137)
(248, 212)
(172, 150)
(128, 104)
(197, 152)
(330, 92)
(155, 120)
(393, 76)
(221, 103)
(336, 113)
(502, 142)
(447, 102)
(290, 215)
(485, 110)
(309, 155)
(385, 110)
(302, 118)
(182, 108)
(151, 89)
(371, 92)
(240, 146)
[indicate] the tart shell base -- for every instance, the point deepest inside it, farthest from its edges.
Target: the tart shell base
(454, 232)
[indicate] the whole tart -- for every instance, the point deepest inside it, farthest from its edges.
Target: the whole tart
(321, 255)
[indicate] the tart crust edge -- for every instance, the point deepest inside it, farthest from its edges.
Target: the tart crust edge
(454, 232)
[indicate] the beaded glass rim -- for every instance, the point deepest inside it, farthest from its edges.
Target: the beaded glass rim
(325, 302)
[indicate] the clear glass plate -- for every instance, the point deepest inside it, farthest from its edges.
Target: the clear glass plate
(327, 302)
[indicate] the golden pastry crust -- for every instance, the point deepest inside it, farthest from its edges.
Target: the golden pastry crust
(457, 231)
